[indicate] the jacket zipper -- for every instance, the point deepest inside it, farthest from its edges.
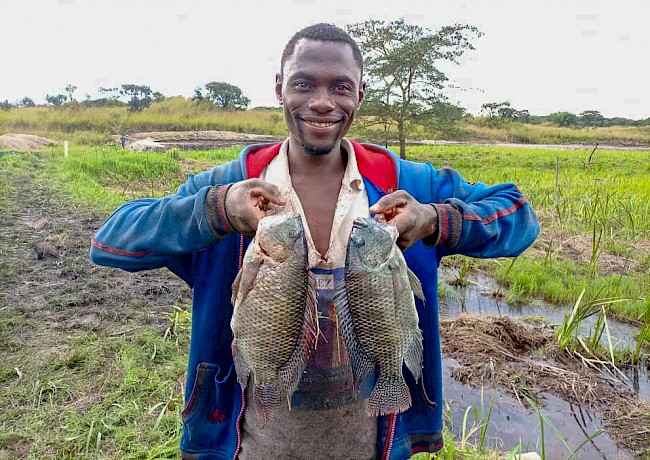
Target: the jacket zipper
(243, 396)
(390, 434)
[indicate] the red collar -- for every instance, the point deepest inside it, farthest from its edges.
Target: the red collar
(375, 164)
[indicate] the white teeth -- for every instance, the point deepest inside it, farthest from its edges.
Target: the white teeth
(320, 125)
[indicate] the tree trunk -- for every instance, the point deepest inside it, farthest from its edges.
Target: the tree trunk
(402, 140)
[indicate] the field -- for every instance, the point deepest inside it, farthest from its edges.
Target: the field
(92, 125)
(94, 358)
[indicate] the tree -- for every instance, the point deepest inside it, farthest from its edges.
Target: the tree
(591, 118)
(563, 118)
(6, 105)
(139, 96)
(223, 95)
(405, 84)
(56, 101)
(70, 89)
(26, 102)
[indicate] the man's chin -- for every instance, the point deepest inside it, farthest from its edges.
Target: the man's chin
(317, 150)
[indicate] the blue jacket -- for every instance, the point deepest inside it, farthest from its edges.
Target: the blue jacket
(173, 232)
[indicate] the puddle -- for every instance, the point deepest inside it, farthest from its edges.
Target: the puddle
(477, 298)
(511, 424)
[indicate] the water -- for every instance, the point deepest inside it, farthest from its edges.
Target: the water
(510, 423)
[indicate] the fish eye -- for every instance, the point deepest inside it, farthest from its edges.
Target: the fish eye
(361, 242)
(292, 234)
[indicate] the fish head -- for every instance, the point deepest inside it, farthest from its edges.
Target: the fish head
(278, 235)
(371, 242)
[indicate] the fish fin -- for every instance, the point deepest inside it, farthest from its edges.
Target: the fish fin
(413, 356)
(416, 286)
(242, 369)
(291, 372)
(267, 401)
(361, 364)
(389, 397)
(398, 266)
(245, 279)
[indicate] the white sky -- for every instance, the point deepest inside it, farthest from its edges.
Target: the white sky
(544, 56)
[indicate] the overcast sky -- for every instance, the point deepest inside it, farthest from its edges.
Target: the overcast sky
(544, 56)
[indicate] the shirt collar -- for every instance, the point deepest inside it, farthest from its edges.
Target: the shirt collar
(278, 169)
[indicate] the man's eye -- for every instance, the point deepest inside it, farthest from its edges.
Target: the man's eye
(342, 88)
(301, 85)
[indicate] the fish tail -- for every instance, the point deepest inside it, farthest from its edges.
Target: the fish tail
(389, 396)
(361, 364)
(267, 401)
(291, 373)
(413, 356)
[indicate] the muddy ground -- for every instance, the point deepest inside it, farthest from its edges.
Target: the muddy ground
(48, 303)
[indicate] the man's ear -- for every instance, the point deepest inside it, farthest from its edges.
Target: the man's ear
(362, 91)
(278, 88)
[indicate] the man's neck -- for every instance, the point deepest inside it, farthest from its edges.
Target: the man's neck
(303, 164)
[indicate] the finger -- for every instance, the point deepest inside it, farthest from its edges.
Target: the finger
(270, 196)
(388, 202)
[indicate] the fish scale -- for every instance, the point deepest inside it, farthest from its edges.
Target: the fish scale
(377, 315)
(274, 319)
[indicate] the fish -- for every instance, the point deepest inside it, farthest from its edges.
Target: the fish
(377, 315)
(274, 322)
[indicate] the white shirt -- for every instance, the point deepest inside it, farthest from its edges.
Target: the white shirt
(351, 203)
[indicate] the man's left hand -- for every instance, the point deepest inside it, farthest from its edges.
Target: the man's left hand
(413, 219)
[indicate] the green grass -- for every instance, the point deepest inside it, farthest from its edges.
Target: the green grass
(95, 125)
(139, 375)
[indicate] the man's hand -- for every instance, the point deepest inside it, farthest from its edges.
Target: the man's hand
(248, 201)
(413, 219)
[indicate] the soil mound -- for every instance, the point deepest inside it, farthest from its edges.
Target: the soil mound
(526, 362)
(23, 141)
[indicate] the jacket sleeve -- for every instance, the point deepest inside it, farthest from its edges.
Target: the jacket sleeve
(495, 221)
(155, 232)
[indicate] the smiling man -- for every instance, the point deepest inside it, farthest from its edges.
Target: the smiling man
(201, 232)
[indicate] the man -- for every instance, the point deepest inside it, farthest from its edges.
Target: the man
(201, 232)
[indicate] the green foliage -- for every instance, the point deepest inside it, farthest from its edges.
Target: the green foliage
(223, 95)
(405, 81)
(6, 105)
(563, 118)
(26, 102)
(139, 96)
(56, 100)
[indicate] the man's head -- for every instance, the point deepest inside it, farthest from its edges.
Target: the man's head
(320, 86)
(325, 33)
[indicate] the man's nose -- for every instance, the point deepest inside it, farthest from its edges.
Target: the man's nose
(321, 101)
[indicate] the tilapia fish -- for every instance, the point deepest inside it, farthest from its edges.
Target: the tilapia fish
(274, 320)
(377, 315)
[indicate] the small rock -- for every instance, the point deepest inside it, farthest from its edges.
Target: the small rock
(45, 249)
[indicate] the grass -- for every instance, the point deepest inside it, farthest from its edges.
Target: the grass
(138, 375)
(95, 125)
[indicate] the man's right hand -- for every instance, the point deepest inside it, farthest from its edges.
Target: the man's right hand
(248, 201)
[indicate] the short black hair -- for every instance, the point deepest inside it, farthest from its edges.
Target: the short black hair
(325, 33)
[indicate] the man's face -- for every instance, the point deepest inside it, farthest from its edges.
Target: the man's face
(321, 91)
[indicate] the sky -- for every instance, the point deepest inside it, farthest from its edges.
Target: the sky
(544, 56)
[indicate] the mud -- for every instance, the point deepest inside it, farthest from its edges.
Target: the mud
(523, 360)
(62, 296)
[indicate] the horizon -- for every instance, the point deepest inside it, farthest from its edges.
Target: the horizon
(550, 57)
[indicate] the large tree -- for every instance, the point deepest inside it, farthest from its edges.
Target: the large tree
(402, 68)
(223, 95)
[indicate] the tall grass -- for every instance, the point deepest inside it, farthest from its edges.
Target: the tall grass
(94, 125)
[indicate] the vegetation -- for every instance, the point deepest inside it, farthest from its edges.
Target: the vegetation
(405, 83)
(223, 95)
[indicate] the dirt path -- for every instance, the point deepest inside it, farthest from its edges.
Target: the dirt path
(52, 308)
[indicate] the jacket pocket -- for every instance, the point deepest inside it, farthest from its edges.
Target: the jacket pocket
(210, 416)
